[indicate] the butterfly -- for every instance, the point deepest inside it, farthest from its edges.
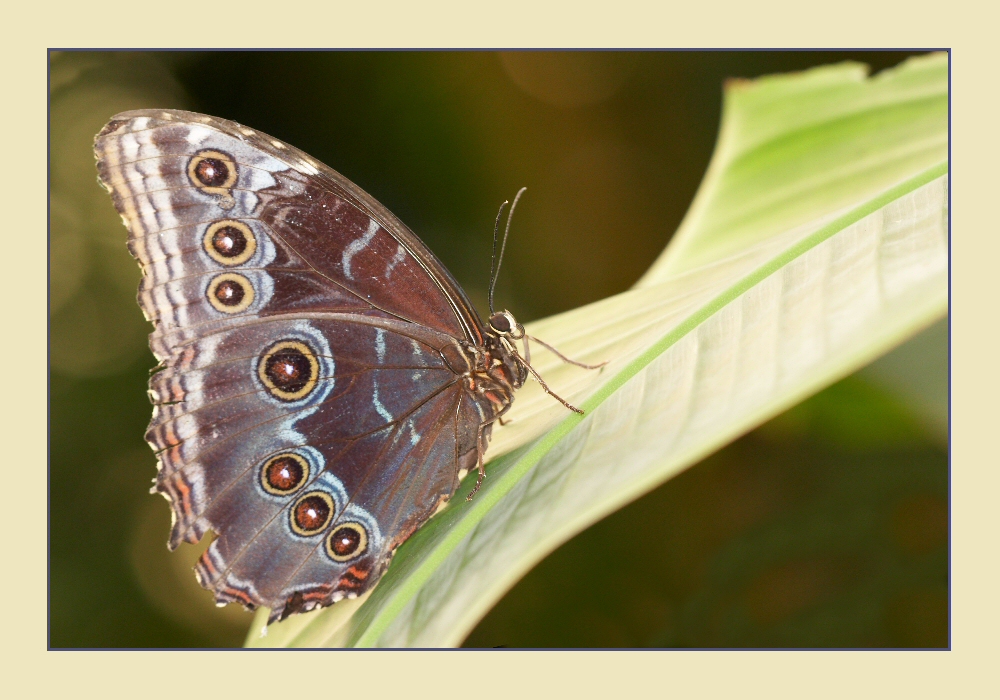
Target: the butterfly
(323, 384)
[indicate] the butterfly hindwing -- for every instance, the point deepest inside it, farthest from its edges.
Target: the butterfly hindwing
(383, 485)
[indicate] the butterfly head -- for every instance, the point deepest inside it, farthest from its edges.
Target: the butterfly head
(503, 332)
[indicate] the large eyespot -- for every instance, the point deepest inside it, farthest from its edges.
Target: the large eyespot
(284, 474)
(230, 293)
(347, 541)
(289, 369)
(311, 513)
(212, 171)
(230, 242)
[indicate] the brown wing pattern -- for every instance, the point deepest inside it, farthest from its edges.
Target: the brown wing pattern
(309, 407)
(329, 247)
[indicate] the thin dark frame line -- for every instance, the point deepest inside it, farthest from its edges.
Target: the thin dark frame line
(950, 493)
(49, 54)
(48, 349)
(480, 49)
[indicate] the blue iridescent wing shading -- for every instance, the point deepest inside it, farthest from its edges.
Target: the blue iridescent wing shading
(310, 406)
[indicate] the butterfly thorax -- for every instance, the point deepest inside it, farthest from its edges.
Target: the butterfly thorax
(490, 372)
(500, 374)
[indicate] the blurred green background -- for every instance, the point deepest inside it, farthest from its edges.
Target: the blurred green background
(828, 526)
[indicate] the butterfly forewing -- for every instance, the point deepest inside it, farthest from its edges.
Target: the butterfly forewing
(315, 401)
(306, 220)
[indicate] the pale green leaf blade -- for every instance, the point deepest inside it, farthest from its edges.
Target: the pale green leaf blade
(793, 146)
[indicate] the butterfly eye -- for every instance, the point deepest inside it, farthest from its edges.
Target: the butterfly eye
(311, 513)
(503, 322)
(500, 322)
(347, 541)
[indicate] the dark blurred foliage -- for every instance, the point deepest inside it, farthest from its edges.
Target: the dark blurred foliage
(825, 527)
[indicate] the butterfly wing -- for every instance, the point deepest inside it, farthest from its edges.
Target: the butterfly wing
(309, 406)
(379, 440)
(340, 246)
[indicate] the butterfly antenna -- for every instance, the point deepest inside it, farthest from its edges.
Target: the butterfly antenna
(495, 271)
(493, 260)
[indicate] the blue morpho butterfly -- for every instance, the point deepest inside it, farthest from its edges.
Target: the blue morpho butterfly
(324, 383)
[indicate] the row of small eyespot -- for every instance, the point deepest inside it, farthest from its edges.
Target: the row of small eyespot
(283, 475)
(288, 368)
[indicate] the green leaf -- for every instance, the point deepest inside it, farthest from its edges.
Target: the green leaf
(817, 241)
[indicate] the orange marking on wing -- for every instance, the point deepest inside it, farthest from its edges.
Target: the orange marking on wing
(187, 357)
(239, 595)
(352, 579)
(176, 390)
(169, 436)
(206, 562)
(357, 573)
(170, 457)
(185, 493)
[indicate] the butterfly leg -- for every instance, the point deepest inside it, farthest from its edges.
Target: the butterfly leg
(558, 354)
(545, 386)
(479, 479)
